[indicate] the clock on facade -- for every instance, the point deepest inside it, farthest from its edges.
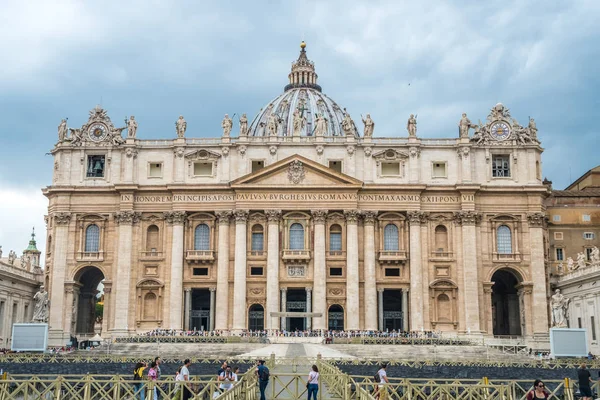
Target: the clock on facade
(97, 132)
(500, 131)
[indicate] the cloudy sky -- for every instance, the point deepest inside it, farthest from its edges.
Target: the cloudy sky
(156, 59)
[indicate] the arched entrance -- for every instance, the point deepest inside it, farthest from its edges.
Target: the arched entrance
(256, 317)
(335, 318)
(88, 301)
(506, 313)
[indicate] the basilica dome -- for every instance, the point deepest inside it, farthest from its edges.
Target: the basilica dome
(303, 101)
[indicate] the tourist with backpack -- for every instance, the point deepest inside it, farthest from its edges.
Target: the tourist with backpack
(138, 378)
(263, 378)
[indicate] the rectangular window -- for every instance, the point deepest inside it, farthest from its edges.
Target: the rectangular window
(336, 165)
(392, 272)
(200, 271)
(501, 166)
(558, 236)
(390, 169)
(556, 218)
(256, 271)
(588, 235)
(439, 169)
(579, 322)
(203, 169)
(257, 164)
(155, 170)
(95, 167)
(593, 327)
(586, 217)
(559, 254)
(588, 254)
(335, 272)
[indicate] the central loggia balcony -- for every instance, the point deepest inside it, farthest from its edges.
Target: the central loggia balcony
(90, 256)
(151, 255)
(335, 255)
(200, 256)
(393, 256)
(296, 255)
(506, 257)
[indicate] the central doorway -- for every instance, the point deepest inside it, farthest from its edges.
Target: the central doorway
(296, 302)
(392, 310)
(506, 314)
(200, 312)
(88, 301)
(335, 320)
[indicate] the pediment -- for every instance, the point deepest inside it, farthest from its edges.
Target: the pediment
(296, 171)
(390, 154)
(202, 154)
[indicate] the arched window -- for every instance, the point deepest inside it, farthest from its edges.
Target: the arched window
(335, 238)
(258, 238)
(150, 307)
(441, 238)
(92, 239)
(390, 238)
(202, 237)
(504, 240)
(256, 317)
(152, 239)
(296, 237)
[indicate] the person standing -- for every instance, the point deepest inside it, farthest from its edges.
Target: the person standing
(185, 377)
(313, 382)
(158, 361)
(226, 379)
(585, 382)
(538, 392)
(152, 377)
(263, 378)
(138, 378)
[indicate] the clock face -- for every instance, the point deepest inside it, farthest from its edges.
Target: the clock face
(97, 132)
(500, 131)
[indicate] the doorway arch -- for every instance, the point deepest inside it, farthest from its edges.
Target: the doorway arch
(88, 300)
(335, 318)
(506, 307)
(256, 317)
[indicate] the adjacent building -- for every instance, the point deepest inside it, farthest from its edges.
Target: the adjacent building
(298, 219)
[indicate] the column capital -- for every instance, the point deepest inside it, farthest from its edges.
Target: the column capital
(212, 289)
(467, 217)
(241, 216)
(369, 217)
(380, 290)
(175, 217)
(537, 219)
(283, 289)
(351, 216)
(127, 217)
(319, 216)
(223, 216)
(308, 289)
(416, 217)
(273, 216)
(187, 289)
(62, 218)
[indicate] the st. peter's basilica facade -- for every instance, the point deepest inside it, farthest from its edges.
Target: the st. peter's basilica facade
(300, 218)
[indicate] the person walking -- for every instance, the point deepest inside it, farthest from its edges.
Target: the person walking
(585, 382)
(312, 384)
(178, 384)
(158, 361)
(138, 377)
(185, 378)
(263, 378)
(381, 376)
(538, 392)
(152, 377)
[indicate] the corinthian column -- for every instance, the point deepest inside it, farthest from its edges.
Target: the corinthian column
(273, 218)
(352, 296)
(58, 273)
(221, 317)
(468, 220)
(308, 307)
(125, 220)
(177, 219)
(416, 272)
(320, 272)
(370, 273)
(239, 271)
(538, 275)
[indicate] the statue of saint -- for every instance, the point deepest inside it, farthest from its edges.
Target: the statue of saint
(369, 125)
(347, 124)
(62, 130)
(40, 309)
(12, 256)
(411, 126)
(180, 126)
(560, 306)
(463, 126)
(595, 256)
(131, 127)
(243, 125)
(320, 125)
(272, 124)
(0, 251)
(299, 122)
(532, 128)
(570, 264)
(227, 125)
(581, 260)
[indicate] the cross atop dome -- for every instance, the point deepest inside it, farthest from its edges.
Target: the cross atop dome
(303, 72)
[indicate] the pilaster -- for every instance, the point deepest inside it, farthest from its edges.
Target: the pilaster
(273, 218)
(538, 275)
(320, 271)
(177, 220)
(56, 334)
(416, 273)
(370, 271)
(221, 317)
(239, 281)
(352, 274)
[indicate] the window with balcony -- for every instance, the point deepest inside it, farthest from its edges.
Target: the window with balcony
(202, 237)
(390, 238)
(92, 239)
(504, 240)
(152, 239)
(258, 239)
(296, 237)
(501, 166)
(335, 238)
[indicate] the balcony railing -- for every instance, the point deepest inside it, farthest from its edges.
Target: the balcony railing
(392, 256)
(200, 256)
(504, 257)
(90, 256)
(151, 255)
(442, 254)
(335, 254)
(296, 255)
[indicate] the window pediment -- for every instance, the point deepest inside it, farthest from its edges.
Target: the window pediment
(443, 284)
(202, 155)
(504, 218)
(390, 155)
(150, 284)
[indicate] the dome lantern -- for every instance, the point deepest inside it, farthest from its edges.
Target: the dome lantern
(303, 73)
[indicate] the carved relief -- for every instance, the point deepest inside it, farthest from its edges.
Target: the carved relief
(62, 218)
(338, 292)
(319, 216)
(467, 217)
(242, 150)
(127, 217)
(241, 216)
(295, 271)
(255, 291)
(463, 152)
(179, 152)
(273, 215)
(175, 217)
(415, 152)
(537, 219)
(352, 216)
(296, 173)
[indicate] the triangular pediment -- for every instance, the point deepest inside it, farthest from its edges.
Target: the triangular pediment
(296, 171)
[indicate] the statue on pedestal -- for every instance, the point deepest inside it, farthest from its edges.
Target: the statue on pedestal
(463, 126)
(581, 260)
(62, 130)
(131, 127)
(570, 264)
(560, 305)
(273, 124)
(12, 256)
(348, 125)
(227, 125)
(243, 125)
(180, 126)
(40, 309)
(411, 126)
(320, 125)
(299, 122)
(595, 256)
(532, 128)
(369, 126)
